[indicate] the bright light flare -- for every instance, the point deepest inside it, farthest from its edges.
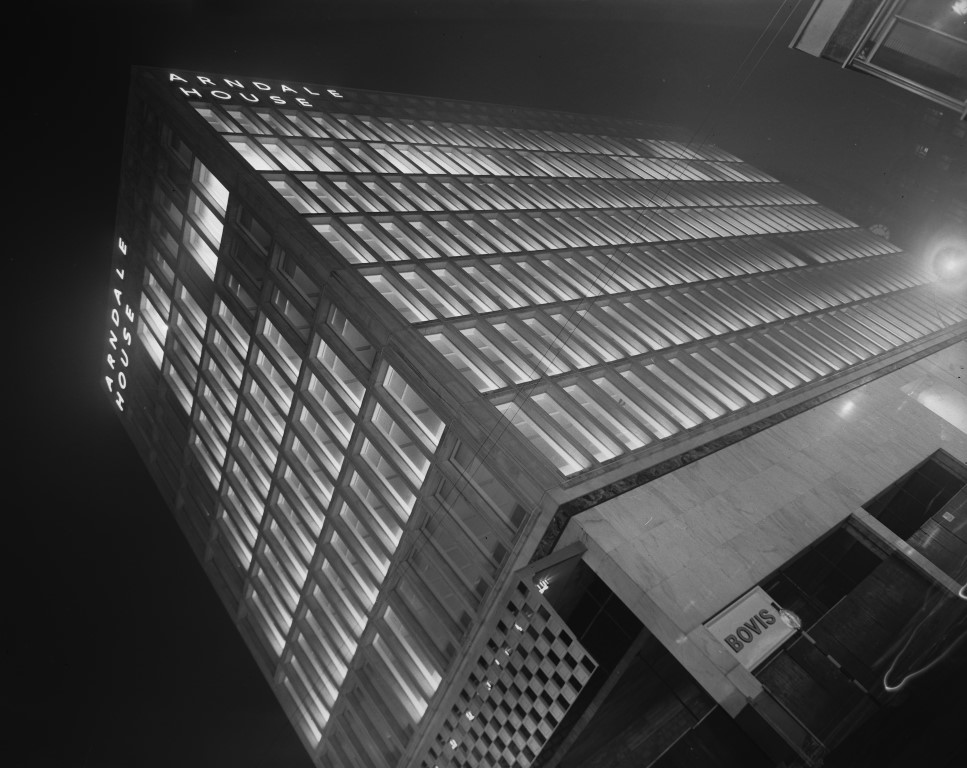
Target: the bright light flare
(947, 260)
(951, 264)
(960, 7)
(846, 408)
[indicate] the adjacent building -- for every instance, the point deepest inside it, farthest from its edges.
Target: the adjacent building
(926, 193)
(514, 438)
(918, 45)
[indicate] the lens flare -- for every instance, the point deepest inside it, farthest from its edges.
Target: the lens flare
(947, 260)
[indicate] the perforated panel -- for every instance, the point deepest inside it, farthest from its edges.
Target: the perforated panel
(532, 671)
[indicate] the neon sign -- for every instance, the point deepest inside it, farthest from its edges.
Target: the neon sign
(253, 92)
(119, 338)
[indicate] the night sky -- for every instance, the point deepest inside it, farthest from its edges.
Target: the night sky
(121, 653)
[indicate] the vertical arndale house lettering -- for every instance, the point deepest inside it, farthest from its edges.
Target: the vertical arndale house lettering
(119, 337)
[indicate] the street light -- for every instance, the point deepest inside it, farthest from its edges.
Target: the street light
(951, 264)
(947, 259)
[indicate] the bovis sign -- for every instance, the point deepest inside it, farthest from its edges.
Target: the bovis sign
(753, 627)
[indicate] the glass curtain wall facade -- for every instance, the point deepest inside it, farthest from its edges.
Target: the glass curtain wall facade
(356, 311)
(604, 293)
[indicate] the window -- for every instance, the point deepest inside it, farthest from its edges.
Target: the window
(566, 458)
(254, 229)
(348, 385)
(297, 321)
(356, 341)
(201, 251)
(253, 154)
(284, 154)
(922, 509)
(404, 302)
(299, 279)
(481, 377)
(282, 351)
(212, 188)
(298, 199)
(428, 423)
(207, 220)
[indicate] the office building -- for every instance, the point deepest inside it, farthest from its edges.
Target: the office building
(917, 45)
(446, 397)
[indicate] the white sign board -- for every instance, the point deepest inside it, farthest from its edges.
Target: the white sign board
(753, 627)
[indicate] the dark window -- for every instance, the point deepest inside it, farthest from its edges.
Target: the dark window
(917, 496)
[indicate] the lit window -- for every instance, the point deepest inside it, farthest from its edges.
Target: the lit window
(267, 409)
(627, 404)
(490, 282)
(153, 319)
(278, 383)
(408, 454)
(205, 217)
(397, 490)
(276, 122)
(378, 511)
(300, 201)
(236, 330)
(481, 377)
(600, 447)
(253, 154)
(406, 304)
(344, 243)
(319, 473)
(444, 304)
(476, 299)
(349, 386)
(291, 360)
(147, 337)
(567, 459)
(385, 249)
(621, 429)
(413, 702)
(336, 419)
(208, 464)
(355, 340)
(246, 119)
(663, 400)
(401, 234)
(216, 119)
(201, 251)
(371, 546)
(543, 360)
(211, 187)
(183, 394)
(284, 154)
